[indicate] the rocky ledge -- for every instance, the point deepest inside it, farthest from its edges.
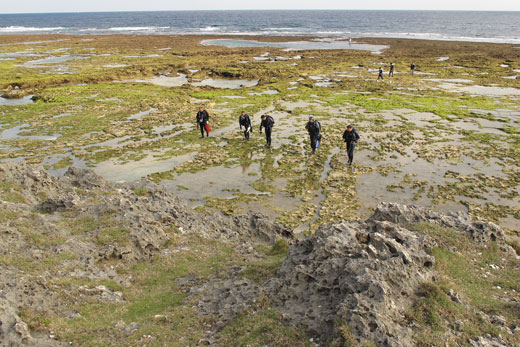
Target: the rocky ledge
(360, 275)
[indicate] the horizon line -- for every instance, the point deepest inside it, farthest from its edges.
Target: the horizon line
(249, 10)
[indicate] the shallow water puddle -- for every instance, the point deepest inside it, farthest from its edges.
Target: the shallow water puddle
(181, 79)
(267, 92)
(111, 66)
(226, 84)
(51, 60)
(295, 45)
(135, 170)
(482, 90)
(166, 81)
(449, 80)
(142, 114)
(216, 182)
(26, 100)
(15, 133)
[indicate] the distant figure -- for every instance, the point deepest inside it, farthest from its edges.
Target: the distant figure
(202, 121)
(245, 121)
(351, 137)
(391, 72)
(267, 122)
(350, 41)
(380, 76)
(314, 129)
(412, 68)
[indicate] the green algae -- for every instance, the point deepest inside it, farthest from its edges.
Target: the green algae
(87, 108)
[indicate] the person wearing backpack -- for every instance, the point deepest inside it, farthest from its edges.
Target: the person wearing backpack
(380, 75)
(245, 121)
(314, 128)
(351, 137)
(202, 121)
(267, 123)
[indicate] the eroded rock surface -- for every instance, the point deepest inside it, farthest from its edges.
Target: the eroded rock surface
(33, 229)
(360, 274)
(363, 275)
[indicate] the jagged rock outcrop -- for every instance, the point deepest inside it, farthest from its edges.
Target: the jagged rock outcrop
(363, 275)
(360, 275)
(15, 332)
(142, 212)
(481, 232)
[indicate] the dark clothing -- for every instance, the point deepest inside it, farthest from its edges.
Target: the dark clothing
(202, 117)
(268, 132)
(351, 138)
(203, 129)
(350, 151)
(267, 123)
(245, 121)
(314, 129)
(391, 73)
(412, 68)
(202, 120)
(380, 76)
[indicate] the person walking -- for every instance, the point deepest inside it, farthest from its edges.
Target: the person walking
(380, 76)
(245, 121)
(351, 137)
(267, 122)
(391, 72)
(314, 128)
(202, 121)
(412, 68)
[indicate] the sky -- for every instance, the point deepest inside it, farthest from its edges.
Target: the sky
(38, 6)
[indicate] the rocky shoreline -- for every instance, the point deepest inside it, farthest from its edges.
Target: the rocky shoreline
(62, 238)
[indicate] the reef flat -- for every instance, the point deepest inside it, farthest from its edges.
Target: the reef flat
(446, 137)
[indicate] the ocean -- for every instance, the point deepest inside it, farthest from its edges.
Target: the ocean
(500, 27)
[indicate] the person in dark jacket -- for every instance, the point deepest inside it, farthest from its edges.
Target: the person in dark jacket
(202, 120)
(392, 68)
(314, 128)
(351, 137)
(267, 123)
(245, 121)
(380, 76)
(412, 68)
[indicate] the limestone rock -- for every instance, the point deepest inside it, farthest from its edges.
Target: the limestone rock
(362, 274)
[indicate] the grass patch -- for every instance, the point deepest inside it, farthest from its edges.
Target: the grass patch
(264, 327)
(8, 215)
(113, 235)
(154, 291)
(43, 240)
(81, 281)
(141, 191)
(11, 192)
(480, 275)
(262, 270)
(83, 225)
(35, 267)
